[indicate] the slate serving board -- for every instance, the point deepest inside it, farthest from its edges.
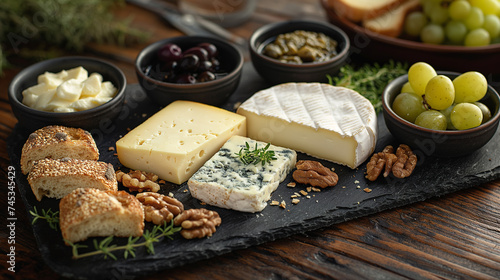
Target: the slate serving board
(348, 200)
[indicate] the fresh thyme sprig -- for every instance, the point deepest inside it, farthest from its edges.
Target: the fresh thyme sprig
(369, 79)
(262, 155)
(106, 248)
(51, 217)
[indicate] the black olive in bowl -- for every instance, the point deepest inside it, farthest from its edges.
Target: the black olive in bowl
(444, 143)
(276, 71)
(89, 119)
(154, 74)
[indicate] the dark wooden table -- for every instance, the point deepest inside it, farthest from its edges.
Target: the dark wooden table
(451, 237)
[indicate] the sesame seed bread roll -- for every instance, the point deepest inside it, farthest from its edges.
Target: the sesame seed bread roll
(91, 212)
(58, 142)
(58, 177)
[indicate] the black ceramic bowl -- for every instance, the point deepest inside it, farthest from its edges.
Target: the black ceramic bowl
(214, 92)
(277, 72)
(449, 143)
(94, 118)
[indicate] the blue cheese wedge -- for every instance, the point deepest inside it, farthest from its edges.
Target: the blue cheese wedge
(225, 181)
(328, 122)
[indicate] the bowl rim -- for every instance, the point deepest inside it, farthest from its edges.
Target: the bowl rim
(415, 45)
(404, 78)
(293, 23)
(25, 72)
(229, 77)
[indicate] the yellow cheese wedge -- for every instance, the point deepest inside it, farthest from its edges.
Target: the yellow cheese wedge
(175, 142)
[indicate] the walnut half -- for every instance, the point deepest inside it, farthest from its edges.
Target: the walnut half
(406, 162)
(197, 223)
(138, 181)
(400, 164)
(315, 174)
(159, 208)
(380, 161)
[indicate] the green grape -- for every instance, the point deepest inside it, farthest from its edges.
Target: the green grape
(439, 92)
(419, 75)
(492, 25)
(429, 5)
(459, 10)
(477, 38)
(485, 110)
(488, 7)
(470, 87)
(408, 106)
(414, 22)
(432, 34)
(407, 88)
(474, 19)
(455, 31)
(420, 97)
(438, 15)
(446, 112)
(465, 116)
(431, 119)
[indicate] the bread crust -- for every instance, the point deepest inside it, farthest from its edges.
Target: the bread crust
(58, 177)
(58, 142)
(357, 11)
(91, 212)
(392, 22)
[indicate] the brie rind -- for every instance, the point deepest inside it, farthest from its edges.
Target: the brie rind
(328, 122)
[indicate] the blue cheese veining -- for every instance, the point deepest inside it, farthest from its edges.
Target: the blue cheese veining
(225, 181)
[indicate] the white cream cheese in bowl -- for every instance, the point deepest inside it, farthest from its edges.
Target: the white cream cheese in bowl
(68, 91)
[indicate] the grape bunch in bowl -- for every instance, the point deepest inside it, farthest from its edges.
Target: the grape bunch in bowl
(471, 23)
(417, 111)
(435, 101)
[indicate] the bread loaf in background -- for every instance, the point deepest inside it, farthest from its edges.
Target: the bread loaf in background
(88, 213)
(359, 10)
(58, 177)
(391, 23)
(58, 142)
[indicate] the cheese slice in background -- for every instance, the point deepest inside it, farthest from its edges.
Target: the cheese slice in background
(324, 121)
(176, 141)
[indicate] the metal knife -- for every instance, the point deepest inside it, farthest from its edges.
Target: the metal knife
(188, 24)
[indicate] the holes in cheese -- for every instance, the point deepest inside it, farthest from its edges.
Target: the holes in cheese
(177, 140)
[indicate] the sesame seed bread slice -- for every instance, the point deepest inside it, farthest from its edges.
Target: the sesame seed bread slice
(91, 212)
(58, 142)
(58, 177)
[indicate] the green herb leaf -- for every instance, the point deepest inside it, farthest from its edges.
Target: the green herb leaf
(369, 79)
(51, 217)
(262, 155)
(106, 248)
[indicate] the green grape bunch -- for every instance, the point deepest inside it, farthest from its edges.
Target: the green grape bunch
(437, 102)
(471, 23)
